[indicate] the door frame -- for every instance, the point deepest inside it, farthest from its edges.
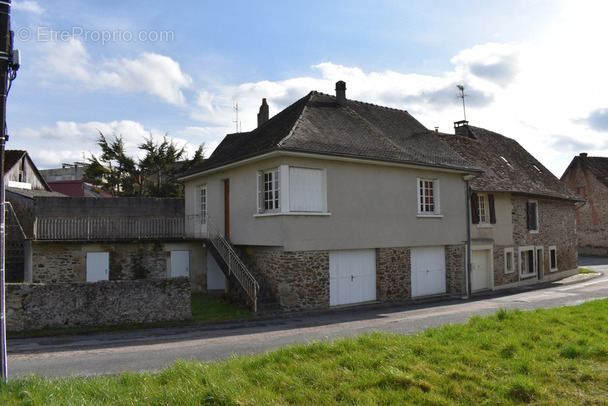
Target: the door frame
(227, 209)
(489, 260)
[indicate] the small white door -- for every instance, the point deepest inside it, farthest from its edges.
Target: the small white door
(352, 276)
(180, 263)
(98, 266)
(428, 271)
(200, 220)
(480, 270)
(216, 280)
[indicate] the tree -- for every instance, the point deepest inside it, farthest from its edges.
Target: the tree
(153, 175)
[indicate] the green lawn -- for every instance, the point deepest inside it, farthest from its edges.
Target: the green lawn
(548, 357)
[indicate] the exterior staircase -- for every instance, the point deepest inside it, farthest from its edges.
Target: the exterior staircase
(258, 298)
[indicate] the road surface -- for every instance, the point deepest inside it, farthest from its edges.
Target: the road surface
(152, 350)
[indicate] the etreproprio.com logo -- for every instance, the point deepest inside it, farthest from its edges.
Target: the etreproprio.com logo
(49, 34)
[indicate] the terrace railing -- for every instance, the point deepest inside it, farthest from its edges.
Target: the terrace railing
(107, 228)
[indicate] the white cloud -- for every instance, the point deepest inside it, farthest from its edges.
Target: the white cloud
(151, 73)
(28, 6)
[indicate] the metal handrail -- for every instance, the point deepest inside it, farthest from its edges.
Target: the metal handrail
(235, 265)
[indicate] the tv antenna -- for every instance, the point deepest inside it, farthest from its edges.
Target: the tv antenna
(236, 121)
(462, 96)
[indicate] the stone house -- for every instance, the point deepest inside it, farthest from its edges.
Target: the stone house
(521, 216)
(588, 177)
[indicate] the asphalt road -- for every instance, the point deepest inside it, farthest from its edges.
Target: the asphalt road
(152, 350)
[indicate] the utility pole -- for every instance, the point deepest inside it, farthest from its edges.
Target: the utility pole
(6, 58)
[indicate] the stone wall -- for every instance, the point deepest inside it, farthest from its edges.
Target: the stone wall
(36, 306)
(116, 207)
(393, 274)
(455, 270)
(62, 263)
(298, 280)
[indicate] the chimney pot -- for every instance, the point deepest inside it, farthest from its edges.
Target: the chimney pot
(263, 115)
(583, 155)
(341, 93)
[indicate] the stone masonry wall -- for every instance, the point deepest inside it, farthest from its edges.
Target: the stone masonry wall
(455, 269)
(298, 280)
(63, 263)
(556, 228)
(393, 274)
(36, 306)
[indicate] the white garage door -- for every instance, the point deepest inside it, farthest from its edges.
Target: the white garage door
(352, 276)
(428, 271)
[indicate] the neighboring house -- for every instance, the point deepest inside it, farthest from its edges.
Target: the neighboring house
(333, 202)
(588, 177)
(522, 216)
(73, 171)
(77, 188)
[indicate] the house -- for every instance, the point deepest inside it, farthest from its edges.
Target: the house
(588, 177)
(335, 202)
(521, 216)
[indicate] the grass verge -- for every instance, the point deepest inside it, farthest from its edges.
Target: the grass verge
(552, 357)
(205, 309)
(585, 270)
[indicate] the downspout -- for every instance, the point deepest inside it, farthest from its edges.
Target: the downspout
(469, 192)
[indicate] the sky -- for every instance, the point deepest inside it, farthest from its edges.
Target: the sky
(533, 70)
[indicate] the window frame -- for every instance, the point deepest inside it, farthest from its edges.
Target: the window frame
(421, 195)
(285, 192)
(509, 253)
(532, 216)
(274, 199)
(553, 259)
(522, 264)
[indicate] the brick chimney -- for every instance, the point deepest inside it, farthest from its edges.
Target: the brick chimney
(583, 155)
(341, 93)
(263, 114)
(462, 128)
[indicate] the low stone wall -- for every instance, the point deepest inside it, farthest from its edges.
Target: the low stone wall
(36, 306)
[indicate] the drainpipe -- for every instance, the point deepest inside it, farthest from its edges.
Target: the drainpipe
(468, 179)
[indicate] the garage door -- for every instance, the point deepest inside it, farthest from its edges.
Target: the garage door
(428, 271)
(352, 276)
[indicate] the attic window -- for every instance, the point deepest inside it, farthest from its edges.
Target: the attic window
(536, 167)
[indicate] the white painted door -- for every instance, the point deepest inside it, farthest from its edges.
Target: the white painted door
(352, 276)
(180, 263)
(200, 220)
(428, 271)
(98, 266)
(216, 280)
(480, 270)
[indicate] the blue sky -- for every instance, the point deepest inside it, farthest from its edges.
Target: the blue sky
(533, 70)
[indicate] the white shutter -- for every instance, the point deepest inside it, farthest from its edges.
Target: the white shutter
(305, 190)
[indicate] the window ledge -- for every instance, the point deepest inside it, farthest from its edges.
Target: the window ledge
(533, 231)
(553, 269)
(432, 216)
(293, 213)
(484, 225)
(527, 275)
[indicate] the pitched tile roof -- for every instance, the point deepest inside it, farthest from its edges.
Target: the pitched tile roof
(317, 124)
(507, 166)
(598, 166)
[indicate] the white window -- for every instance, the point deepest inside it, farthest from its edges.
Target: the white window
(527, 266)
(509, 260)
(293, 190)
(428, 196)
(553, 258)
(269, 191)
(483, 209)
(532, 215)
